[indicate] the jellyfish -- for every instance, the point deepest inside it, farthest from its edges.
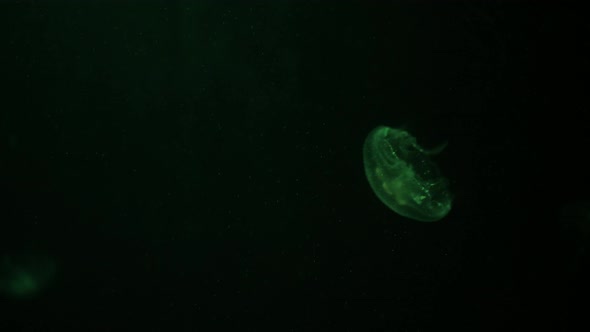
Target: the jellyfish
(403, 177)
(23, 276)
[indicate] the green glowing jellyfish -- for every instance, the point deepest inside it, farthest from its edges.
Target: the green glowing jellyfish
(22, 276)
(403, 177)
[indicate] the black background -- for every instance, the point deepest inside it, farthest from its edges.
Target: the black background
(203, 160)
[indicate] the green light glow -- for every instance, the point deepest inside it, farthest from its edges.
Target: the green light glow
(23, 276)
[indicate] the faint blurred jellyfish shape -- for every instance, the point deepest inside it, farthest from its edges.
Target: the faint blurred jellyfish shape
(575, 224)
(23, 276)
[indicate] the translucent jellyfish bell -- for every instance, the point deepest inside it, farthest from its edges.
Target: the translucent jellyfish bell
(403, 177)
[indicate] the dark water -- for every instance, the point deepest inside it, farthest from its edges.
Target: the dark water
(199, 164)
